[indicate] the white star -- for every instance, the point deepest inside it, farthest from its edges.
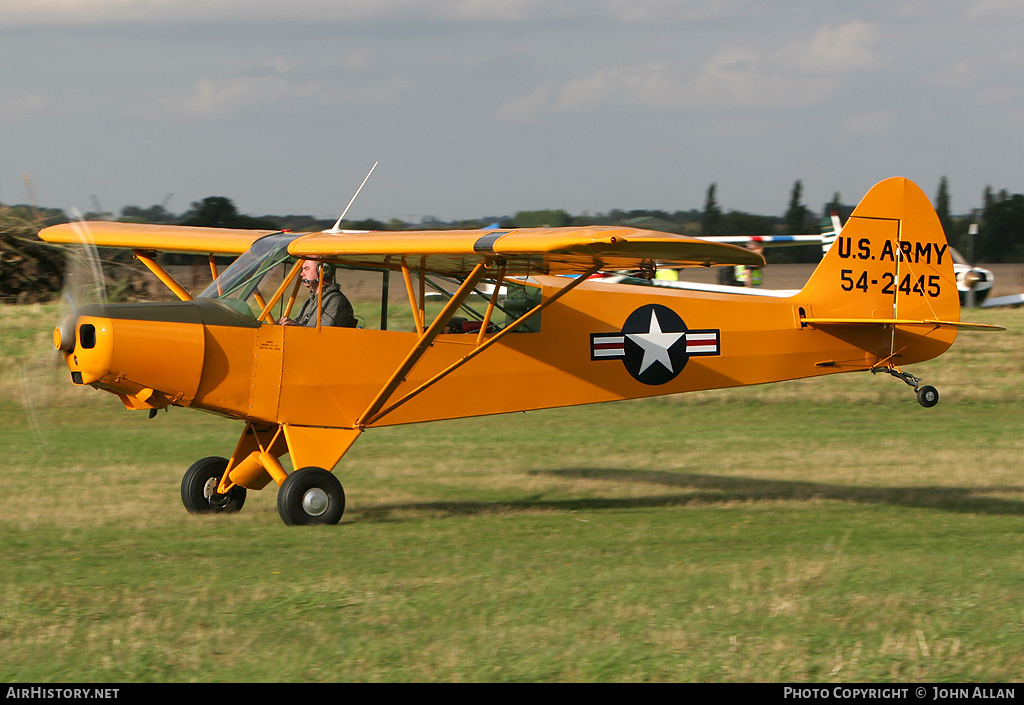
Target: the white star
(655, 344)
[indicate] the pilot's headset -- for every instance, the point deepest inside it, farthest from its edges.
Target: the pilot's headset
(327, 271)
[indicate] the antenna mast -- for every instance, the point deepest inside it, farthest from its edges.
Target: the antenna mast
(337, 225)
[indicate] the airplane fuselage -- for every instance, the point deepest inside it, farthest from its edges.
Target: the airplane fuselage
(601, 342)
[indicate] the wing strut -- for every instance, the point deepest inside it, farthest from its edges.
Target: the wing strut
(280, 293)
(369, 419)
(424, 342)
(491, 304)
(417, 311)
(147, 259)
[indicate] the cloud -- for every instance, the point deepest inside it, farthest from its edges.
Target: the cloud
(869, 123)
(505, 10)
(991, 79)
(852, 46)
(19, 12)
(998, 95)
(673, 10)
(22, 107)
(41, 12)
(652, 84)
(799, 74)
(220, 96)
(528, 108)
(44, 12)
(1001, 11)
(741, 79)
(728, 80)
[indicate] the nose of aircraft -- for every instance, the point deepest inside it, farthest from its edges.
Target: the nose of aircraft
(64, 335)
(148, 354)
(87, 345)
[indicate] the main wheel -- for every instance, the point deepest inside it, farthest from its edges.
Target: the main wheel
(927, 396)
(199, 488)
(311, 496)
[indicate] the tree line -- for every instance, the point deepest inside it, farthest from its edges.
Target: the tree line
(29, 269)
(1000, 221)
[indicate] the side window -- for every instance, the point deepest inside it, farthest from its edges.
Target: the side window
(519, 300)
(514, 300)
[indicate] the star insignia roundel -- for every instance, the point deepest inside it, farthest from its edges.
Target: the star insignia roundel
(654, 344)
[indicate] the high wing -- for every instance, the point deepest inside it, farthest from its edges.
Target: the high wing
(454, 252)
(523, 251)
(146, 240)
(160, 238)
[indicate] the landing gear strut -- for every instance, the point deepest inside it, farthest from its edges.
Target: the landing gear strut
(927, 396)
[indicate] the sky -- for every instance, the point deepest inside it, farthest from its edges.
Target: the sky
(482, 108)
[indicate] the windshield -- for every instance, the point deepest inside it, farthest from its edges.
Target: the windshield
(245, 273)
(238, 282)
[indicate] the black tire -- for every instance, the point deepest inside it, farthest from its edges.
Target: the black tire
(927, 396)
(199, 489)
(311, 496)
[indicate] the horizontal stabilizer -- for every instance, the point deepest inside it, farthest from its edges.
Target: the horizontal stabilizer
(959, 325)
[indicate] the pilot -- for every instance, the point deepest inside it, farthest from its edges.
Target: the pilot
(337, 311)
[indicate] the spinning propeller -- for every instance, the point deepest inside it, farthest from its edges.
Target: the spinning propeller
(84, 284)
(43, 380)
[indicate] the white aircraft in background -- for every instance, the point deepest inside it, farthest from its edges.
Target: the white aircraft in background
(1011, 300)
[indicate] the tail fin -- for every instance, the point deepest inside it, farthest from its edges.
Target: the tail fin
(890, 271)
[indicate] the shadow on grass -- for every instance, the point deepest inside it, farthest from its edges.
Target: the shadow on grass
(702, 489)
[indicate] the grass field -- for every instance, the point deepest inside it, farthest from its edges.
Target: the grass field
(825, 530)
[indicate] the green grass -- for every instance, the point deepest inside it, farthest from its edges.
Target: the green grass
(826, 530)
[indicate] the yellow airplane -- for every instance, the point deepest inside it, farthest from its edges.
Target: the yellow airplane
(541, 334)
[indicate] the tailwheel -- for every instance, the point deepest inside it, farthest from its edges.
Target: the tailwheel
(311, 496)
(199, 488)
(927, 396)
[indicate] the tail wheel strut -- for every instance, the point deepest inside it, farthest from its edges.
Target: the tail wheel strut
(927, 396)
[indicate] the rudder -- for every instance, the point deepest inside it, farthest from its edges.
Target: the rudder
(890, 266)
(890, 261)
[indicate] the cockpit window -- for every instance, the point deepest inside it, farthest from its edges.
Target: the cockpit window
(248, 283)
(236, 284)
